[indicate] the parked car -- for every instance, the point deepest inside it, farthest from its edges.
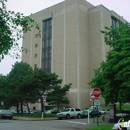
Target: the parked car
(117, 126)
(37, 111)
(6, 114)
(26, 111)
(105, 111)
(48, 111)
(84, 113)
(70, 113)
(92, 113)
(13, 111)
(55, 111)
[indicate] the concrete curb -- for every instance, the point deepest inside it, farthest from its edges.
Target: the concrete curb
(33, 119)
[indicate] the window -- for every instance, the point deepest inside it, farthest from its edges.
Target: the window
(77, 109)
(36, 35)
(34, 108)
(36, 45)
(35, 66)
(46, 45)
(72, 109)
(114, 22)
(35, 55)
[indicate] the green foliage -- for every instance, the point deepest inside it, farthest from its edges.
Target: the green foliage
(124, 107)
(24, 85)
(3, 88)
(20, 84)
(112, 77)
(12, 26)
(58, 95)
(44, 81)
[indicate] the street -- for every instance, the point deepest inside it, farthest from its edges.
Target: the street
(71, 124)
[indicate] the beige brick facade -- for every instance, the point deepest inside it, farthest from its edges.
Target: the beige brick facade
(77, 44)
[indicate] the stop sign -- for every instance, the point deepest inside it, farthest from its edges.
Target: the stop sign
(96, 92)
(92, 97)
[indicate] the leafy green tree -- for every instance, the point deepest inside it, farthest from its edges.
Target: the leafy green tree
(20, 84)
(2, 86)
(12, 26)
(3, 89)
(113, 75)
(58, 95)
(5, 92)
(43, 82)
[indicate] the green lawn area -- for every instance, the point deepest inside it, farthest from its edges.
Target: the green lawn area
(101, 127)
(34, 115)
(124, 106)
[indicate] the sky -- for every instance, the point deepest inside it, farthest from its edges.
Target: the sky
(122, 7)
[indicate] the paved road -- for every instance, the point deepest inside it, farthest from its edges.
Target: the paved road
(71, 124)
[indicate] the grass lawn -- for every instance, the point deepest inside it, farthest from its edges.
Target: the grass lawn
(101, 127)
(34, 115)
(124, 106)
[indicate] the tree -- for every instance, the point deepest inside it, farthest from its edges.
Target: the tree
(12, 26)
(5, 95)
(2, 86)
(3, 89)
(57, 96)
(43, 82)
(20, 84)
(113, 75)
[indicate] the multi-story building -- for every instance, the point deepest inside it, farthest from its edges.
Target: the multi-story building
(71, 44)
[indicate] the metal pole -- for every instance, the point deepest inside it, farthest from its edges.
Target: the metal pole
(93, 116)
(42, 115)
(97, 116)
(42, 107)
(88, 116)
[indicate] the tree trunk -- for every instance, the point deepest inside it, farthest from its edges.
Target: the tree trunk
(42, 105)
(21, 103)
(17, 106)
(28, 108)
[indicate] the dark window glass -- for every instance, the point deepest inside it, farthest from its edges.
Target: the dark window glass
(36, 35)
(36, 45)
(77, 109)
(72, 109)
(46, 45)
(35, 55)
(35, 66)
(114, 22)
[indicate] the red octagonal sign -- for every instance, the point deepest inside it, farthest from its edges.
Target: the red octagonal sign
(92, 97)
(96, 92)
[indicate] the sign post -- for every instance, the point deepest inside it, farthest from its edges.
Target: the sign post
(88, 116)
(43, 102)
(93, 97)
(97, 103)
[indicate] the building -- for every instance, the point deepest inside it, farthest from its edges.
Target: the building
(71, 44)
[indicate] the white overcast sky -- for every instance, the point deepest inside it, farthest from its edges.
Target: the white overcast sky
(122, 7)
